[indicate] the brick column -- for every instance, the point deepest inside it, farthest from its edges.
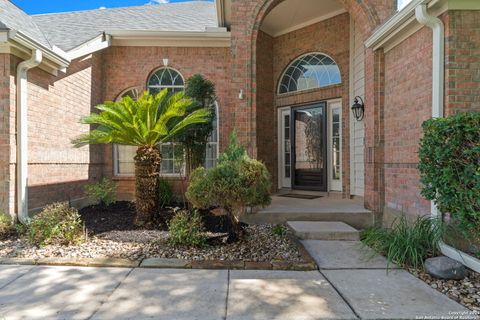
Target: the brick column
(374, 130)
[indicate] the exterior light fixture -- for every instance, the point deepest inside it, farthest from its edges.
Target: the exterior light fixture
(241, 95)
(165, 62)
(358, 108)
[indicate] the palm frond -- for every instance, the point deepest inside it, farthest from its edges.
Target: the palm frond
(151, 119)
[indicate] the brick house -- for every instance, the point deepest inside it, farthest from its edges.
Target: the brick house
(286, 73)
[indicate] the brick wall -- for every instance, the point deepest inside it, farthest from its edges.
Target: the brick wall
(408, 83)
(462, 74)
(57, 171)
(266, 116)
(127, 67)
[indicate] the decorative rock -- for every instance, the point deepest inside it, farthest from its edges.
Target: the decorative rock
(445, 268)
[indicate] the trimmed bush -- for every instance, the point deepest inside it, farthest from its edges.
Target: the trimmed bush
(165, 193)
(236, 183)
(450, 167)
(103, 192)
(405, 244)
(186, 228)
(6, 226)
(58, 224)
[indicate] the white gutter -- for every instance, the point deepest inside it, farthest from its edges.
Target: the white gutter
(438, 82)
(22, 133)
(55, 55)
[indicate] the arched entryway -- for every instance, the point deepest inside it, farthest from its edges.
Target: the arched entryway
(281, 32)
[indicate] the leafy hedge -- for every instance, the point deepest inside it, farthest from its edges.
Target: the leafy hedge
(450, 167)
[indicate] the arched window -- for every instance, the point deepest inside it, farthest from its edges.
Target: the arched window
(310, 71)
(167, 78)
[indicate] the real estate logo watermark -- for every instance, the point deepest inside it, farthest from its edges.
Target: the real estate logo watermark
(453, 315)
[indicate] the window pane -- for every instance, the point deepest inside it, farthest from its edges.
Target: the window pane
(308, 72)
(126, 164)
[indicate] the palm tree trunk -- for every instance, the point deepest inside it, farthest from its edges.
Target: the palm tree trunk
(147, 170)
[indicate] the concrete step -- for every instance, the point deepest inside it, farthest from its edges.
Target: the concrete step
(324, 230)
(359, 219)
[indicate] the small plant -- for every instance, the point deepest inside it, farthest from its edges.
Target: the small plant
(58, 223)
(6, 226)
(165, 193)
(186, 228)
(279, 230)
(405, 244)
(103, 192)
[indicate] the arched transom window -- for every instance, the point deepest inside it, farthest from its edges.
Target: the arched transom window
(167, 78)
(310, 71)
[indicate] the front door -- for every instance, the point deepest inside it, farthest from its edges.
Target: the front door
(309, 147)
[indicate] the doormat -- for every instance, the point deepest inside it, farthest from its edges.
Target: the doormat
(300, 196)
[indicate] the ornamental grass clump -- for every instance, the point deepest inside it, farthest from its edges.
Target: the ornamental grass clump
(406, 244)
(58, 224)
(186, 229)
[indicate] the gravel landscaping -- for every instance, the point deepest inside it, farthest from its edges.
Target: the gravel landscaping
(112, 234)
(465, 292)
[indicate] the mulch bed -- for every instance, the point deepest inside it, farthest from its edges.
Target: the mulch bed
(113, 234)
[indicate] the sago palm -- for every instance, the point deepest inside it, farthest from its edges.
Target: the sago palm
(146, 122)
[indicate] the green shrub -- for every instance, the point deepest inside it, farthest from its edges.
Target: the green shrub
(186, 228)
(279, 230)
(237, 182)
(103, 192)
(58, 223)
(450, 167)
(406, 244)
(6, 226)
(165, 193)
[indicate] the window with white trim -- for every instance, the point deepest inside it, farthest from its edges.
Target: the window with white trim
(310, 71)
(212, 143)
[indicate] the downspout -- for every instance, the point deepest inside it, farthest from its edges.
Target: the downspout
(438, 70)
(22, 134)
(438, 66)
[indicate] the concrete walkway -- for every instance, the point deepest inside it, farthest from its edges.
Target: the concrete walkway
(346, 287)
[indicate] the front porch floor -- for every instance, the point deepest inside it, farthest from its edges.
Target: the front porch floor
(327, 208)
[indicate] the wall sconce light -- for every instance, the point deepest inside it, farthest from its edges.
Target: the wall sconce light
(358, 108)
(241, 95)
(165, 62)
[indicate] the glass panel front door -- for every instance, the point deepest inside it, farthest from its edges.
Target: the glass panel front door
(309, 147)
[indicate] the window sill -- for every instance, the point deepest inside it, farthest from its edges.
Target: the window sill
(126, 177)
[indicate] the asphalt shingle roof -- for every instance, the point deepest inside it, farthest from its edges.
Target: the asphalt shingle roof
(71, 29)
(13, 18)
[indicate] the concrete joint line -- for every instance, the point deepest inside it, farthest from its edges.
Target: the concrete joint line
(226, 297)
(109, 295)
(341, 295)
(18, 277)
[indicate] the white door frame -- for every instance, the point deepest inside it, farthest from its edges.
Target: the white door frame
(285, 182)
(334, 185)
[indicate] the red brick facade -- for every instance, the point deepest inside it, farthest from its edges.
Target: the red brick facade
(403, 118)
(130, 67)
(397, 100)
